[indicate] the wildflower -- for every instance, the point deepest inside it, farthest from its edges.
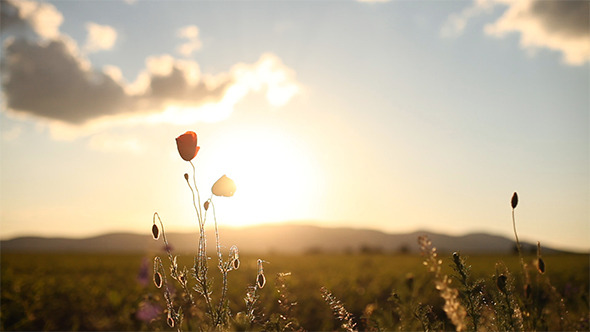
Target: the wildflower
(148, 311)
(143, 274)
(224, 187)
(187, 145)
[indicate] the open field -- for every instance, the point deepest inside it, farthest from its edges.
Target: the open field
(106, 291)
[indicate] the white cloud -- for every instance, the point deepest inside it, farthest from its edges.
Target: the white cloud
(100, 37)
(562, 26)
(456, 22)
(193, 43)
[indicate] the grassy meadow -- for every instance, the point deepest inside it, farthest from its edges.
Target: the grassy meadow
(378, 291)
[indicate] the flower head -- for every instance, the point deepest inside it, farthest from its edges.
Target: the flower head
(224, 187)
(187, 145)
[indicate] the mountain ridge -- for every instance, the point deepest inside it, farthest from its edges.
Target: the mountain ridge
(285, 238)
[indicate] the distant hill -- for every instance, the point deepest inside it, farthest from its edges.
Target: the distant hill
(273, 238)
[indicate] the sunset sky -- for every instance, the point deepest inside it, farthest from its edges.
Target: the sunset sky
(396, 116)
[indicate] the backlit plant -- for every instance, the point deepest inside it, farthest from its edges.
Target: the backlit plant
(218, 314)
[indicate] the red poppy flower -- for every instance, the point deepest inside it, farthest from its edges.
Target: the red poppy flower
(224, 187)
(187, 145)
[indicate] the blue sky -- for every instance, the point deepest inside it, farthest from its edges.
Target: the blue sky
(395, 116)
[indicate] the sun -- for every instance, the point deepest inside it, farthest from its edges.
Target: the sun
(276, 177)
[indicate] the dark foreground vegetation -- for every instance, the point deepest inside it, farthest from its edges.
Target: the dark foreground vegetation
(322, 292)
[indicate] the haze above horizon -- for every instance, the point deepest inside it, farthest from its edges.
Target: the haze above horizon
(395, 116)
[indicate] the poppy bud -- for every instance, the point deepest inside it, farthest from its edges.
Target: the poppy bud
(206, 205)
(540, 265)
(501, 283)
(186, 176)
(235, 264)
(187, 145)
(260, 280)
(155, 232)
(158, 279)
(514, 201)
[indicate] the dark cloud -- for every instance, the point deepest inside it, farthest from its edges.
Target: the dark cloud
(46, 80)
(44, 75)
(11, 23)
(570, 18)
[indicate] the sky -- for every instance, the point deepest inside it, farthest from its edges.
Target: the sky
(389, 115)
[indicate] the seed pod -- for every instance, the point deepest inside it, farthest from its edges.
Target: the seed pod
(235, 263)
(158, 279)
(170, 321)
(155, 232)
(540, 265)
(514, 200)
(456, 258)
(206, 205)
(186, 176)
(501, 283)
(261, 280)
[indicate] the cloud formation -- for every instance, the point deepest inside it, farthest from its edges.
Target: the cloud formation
(100, 37)
(192, 44)
(25, 18)
(562, 26)
(50, 79)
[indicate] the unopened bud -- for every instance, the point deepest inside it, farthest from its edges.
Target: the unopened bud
(206, 205)
(170, 321)
(514, 200)
(540, 265)
(155, 232)
(158, 279)
(236, 263)
(261, 280)
(186, 176)
(501, 283)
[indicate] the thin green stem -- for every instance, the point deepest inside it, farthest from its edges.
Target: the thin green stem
(518, 246)
(199, 212)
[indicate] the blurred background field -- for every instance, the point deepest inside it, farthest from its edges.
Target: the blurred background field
(116, 292)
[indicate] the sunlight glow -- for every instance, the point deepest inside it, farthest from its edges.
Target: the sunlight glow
(274, 175)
